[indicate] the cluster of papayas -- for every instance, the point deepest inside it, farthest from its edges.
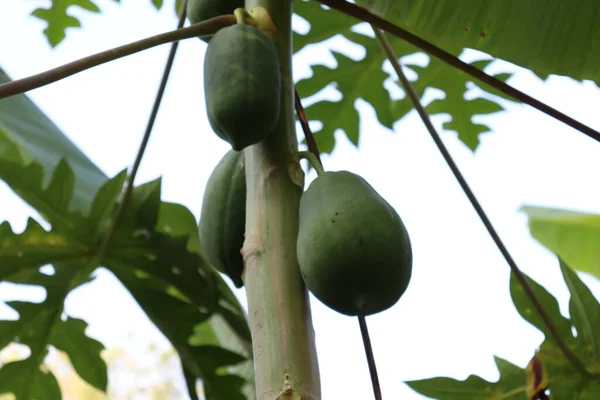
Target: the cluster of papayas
(242, 77)
(223, 216)
(354, 252)
(353, 249)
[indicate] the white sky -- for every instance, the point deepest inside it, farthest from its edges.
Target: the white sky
(457, 312)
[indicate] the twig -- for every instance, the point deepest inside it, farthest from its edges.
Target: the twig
(312, 145)
(206, 28)
(310, 139)
(569, 355)
(364, 15)
(140, 154)
(370, 358)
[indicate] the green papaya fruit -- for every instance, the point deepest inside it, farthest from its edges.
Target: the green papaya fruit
(242, 85)
(353, 249)
(223, 216)
(201, 10)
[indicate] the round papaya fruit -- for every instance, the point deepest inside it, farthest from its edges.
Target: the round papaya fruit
(242, 85)
(353, 249)
(201, 10)
(223, 216)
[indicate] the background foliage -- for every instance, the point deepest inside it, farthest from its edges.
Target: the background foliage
(155, 253)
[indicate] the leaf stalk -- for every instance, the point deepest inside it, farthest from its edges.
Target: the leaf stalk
(201, 29)
(569, 355)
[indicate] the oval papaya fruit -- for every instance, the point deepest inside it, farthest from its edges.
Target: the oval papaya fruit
(201, 10)
(242, 85)
(353, 249)
(223, 216)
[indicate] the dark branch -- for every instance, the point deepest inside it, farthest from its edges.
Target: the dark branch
(206, 28)
(140, 154)
(364, 15)
(370, 358)
(308, 135)
(573, 359)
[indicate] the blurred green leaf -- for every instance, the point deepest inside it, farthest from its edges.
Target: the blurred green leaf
(29, 139)
(555, 38)
(574, 236)
(59, 20)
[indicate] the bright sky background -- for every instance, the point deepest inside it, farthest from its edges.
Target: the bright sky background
(457, 313)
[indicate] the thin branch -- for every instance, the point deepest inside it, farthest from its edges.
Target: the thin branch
(569, 355)
(364, 15)
(310, 139)
(206, 28)
(364, 331)
(140, 153)
(370, 358)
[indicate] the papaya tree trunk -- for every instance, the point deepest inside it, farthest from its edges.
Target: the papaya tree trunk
(284, 350)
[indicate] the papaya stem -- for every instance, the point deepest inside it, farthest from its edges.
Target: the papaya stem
(312, 159)
(240, 16)
(283, 341)
(569, 355)
(364, 331)
(201, 29)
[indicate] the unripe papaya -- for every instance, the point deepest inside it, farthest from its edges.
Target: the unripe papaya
(223, 216)
(201, 10)
(242, 85)
(353, 249)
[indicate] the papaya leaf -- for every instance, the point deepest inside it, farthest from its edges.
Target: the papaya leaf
(585, 312)
(563, 380)
(155, 250)
(572, 235)
(59, 20)
(558, 367)
(38, 384)
(556, 38)
(28, 137)
(529, 313)
(40, 324)
(364, 79)
(179, 290)
(510, 385)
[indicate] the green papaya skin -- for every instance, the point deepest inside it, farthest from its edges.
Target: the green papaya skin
(242, 85)
(201, 10)
(353, 249)
(223, 217)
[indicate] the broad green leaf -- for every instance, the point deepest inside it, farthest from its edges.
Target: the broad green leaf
(155, 250)
(573, 236)
(585, 312)
(180, 291)
(29, 139)
(547, 37)
(364, 79)
(527, 310)
(38, 384)
(510, 385)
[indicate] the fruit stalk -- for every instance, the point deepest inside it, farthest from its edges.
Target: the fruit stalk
(285, 357)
